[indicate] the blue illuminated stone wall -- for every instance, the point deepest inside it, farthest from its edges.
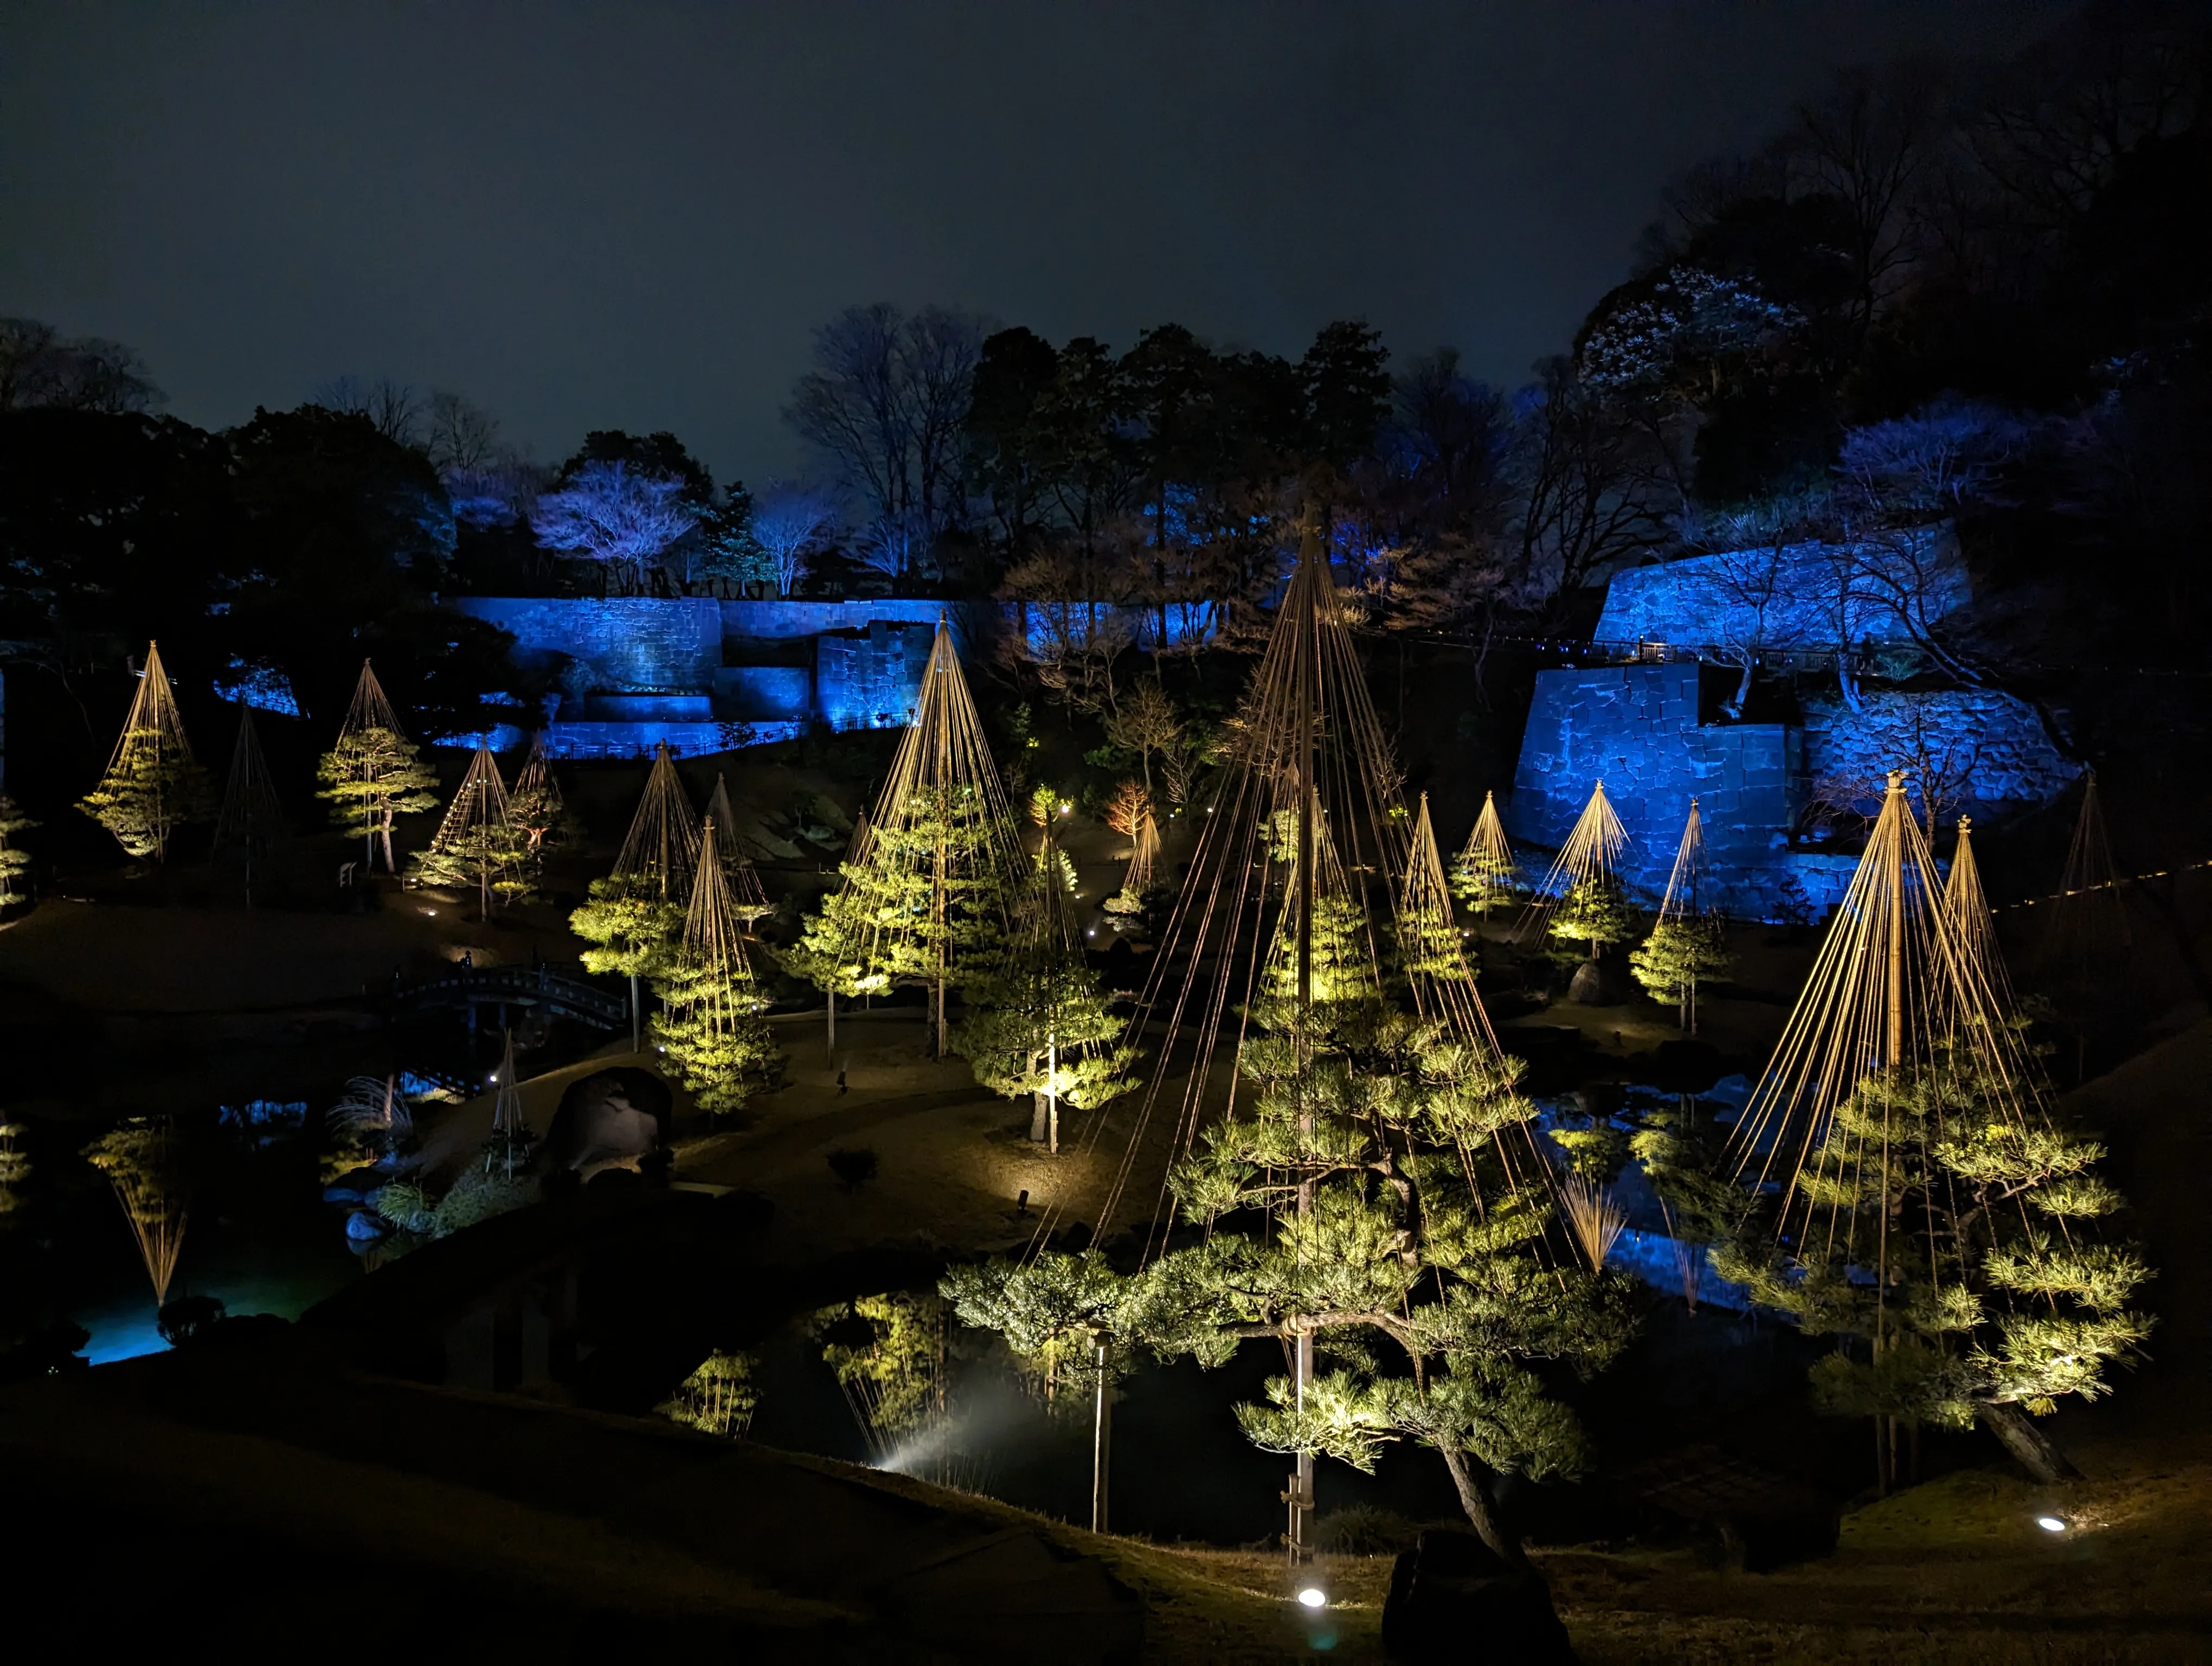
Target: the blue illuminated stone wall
(625, 644)
(704, 675)
(1637, 728)
(1791, 597)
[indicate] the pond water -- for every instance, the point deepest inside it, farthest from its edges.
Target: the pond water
(247, 1133)
(261, 1238)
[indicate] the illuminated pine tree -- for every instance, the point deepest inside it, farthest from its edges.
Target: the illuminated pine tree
(250, 822)
(15, 860)
(1580, 900)
(1685, 947)
(710, 1025)
(934, 885)
(477, 847)
(373, 774)
(1482, 873)
(1900, 1132)
(1038, 1020)
(153, 785)
(1365, 1192)
(1428, 939)
(1998, 1298)
(634, 915)
(536, 810)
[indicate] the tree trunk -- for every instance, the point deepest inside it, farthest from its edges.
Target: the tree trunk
(2029, 1447)
(636, 1041)
(830, 1054)
(1101, 1446)
(1476, 1503)
(1037, 1117)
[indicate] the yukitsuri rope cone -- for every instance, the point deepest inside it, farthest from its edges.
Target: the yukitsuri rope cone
(1428, 939)
(1281, 1008)
(1588, 860)
(476, 844)
(933, 882)
(1891, 989)
(1901, 1130)
(2088, 939)
(153, 784)
(1966, 909)
(250, 823)
(748, 899)
(373, 774)
(660, 853)
(710, 1027)
(508, 1148)
(535, 807)
(1685, 946)
(1482, 873)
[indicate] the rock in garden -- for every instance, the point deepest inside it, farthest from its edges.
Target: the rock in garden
(1452, 1599)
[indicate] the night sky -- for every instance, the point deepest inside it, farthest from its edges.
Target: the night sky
(632, 216)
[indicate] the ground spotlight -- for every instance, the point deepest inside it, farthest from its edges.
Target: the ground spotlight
(1314, 1597)
(2052, 1523)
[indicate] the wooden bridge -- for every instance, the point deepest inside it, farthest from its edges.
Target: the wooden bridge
(538, 986)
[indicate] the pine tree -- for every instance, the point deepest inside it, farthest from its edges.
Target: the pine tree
(1362, 1187)
(924, 906)
(1995, 1299)
(634, 915)
(1411, 1235)
(153, 785)
(536, 811)
(1482, 873)
(1038, 1021)
(15, 860)
(476, 846)
(932, 885)
(1595, 912)
(631, 929)
(748, 899)
(1429, 942)
(710, 1025)
(1685, 948)
(1678, 956)
(1904, 1131)
(146, 1164)
(1580, 899)
(373, 774)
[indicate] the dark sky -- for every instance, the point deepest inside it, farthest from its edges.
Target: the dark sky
(632, 215)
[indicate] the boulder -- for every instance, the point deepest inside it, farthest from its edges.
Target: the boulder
(1452, 1599)
(617, 1115)
(1598, 983)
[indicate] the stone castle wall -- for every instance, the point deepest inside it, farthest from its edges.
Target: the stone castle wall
(703, 675)
(1789, 598)
(1638, 729)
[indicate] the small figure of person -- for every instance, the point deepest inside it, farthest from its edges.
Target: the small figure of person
(841, 1080)
(468, 959)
